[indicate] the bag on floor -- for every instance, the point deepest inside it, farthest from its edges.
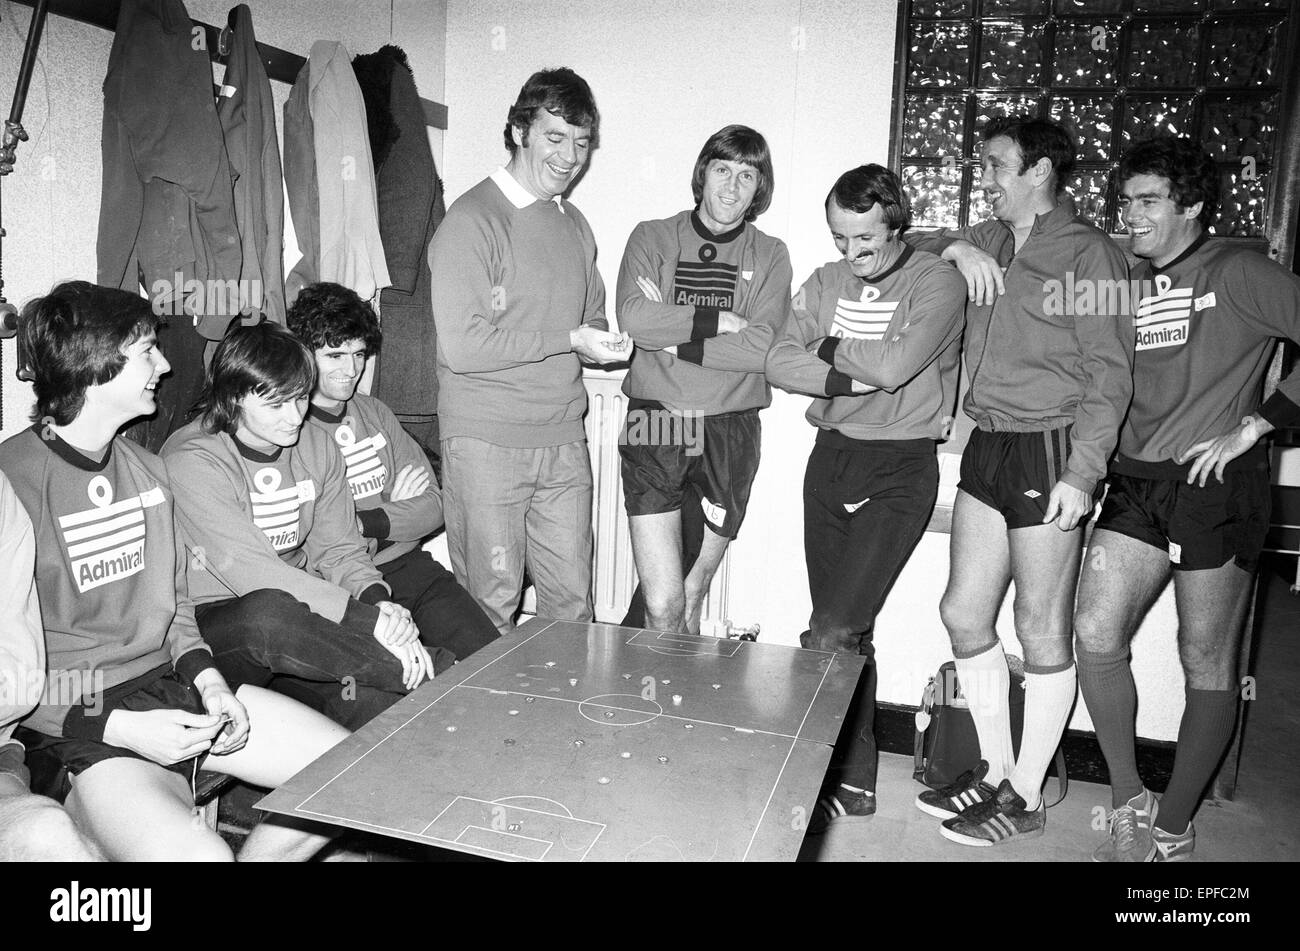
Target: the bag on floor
(946, 744)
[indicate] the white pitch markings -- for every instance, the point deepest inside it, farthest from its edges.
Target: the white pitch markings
(413, 716)
(665, 716)
(767, 805)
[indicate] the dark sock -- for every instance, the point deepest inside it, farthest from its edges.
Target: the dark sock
(1203, 735)
(1106, 681)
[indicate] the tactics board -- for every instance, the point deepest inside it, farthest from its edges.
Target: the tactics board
(565, 741)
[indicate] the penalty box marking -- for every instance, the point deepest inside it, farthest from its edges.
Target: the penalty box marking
(475, 819)
(664, 642)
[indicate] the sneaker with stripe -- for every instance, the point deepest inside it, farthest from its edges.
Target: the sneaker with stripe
(1130, 830)
(996, 821)
(1167, 847)
(835, 805)
(965, 791)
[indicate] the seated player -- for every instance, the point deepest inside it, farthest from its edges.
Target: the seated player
(398, 501)
(133, 706)
(283, 588)
(702, 294)
(32, 828)
(1188, 491)
(885, 321)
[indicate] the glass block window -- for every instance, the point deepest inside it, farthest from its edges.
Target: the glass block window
(1113, 71)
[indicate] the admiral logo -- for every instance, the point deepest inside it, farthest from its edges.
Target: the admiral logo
(864, 319)
(705, 284)
(367, 474)
(1163, 318)
(1203, 302)
(106, 543)
(276, 510)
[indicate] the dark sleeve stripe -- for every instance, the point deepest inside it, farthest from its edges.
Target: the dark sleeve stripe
(705, 324)
(1280, 411)
(692, 352)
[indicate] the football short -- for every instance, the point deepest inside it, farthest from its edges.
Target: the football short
(53, 760)
(1015, 472)
(664, 452)
(1199, 527)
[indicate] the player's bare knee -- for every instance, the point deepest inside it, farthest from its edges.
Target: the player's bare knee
(966, 627)
(1208, 667)
(37, 829)
(201, 844)
(665, 607)
(1095, 633)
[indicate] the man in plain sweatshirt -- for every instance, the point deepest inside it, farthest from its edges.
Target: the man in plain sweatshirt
(519, 305)
(1189, 488)
(1048, 391)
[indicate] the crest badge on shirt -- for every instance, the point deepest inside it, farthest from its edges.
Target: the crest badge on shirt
(1163, 318)
(866, 318)
(105, 542)
(277, 511)
(366, 472)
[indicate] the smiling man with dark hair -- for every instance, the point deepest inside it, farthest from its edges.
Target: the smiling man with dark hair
(519, 305)
(284, 588)
(1189, 489)
(1047, 393)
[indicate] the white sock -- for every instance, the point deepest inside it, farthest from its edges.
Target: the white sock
(985, 683)
(1048, 698)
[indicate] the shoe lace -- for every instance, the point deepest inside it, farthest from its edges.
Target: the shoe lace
(1123, 826)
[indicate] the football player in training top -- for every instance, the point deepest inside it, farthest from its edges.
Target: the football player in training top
(32, 828)
(398, 501)
(133, 704)
(1189, 489)
(284, 588)
(1047, 392)
(702, 294)
(876, 337)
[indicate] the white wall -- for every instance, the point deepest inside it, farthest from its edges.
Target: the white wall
(665, 77)
(51, 201)
(817, 81)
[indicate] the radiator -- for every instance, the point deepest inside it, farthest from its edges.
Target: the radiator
(614, 574)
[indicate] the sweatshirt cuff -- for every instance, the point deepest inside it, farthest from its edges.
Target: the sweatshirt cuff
(374, 594)
(1279, 411)
(691, 352)
(838, 384)
(192, 663)
(1080, 482)
(826, 352)
(375, 523)
(556, 341)
(359, 616)
(705, 323)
